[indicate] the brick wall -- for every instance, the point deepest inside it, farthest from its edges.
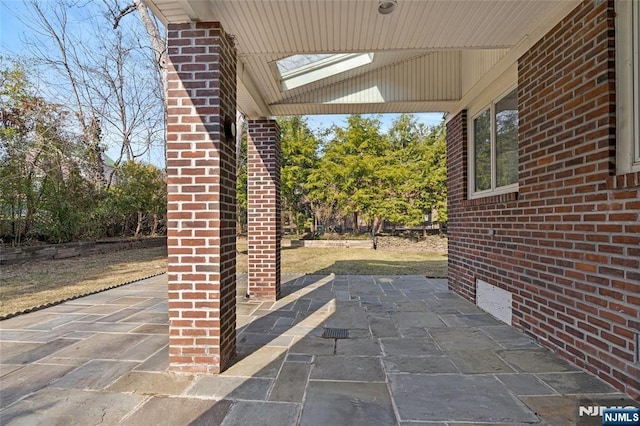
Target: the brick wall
(201, 197)
(567, 245)
(263, 218)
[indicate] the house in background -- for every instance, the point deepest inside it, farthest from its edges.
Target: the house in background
(543, 153)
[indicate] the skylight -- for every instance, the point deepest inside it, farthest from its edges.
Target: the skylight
(298, 70)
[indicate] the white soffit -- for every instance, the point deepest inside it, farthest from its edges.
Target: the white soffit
(269, 30)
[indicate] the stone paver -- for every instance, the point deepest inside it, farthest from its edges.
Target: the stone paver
(410, 347)
(476, 362)
(417, 354)
(419, 365)
(233, 388)
(69, 407)
(457, 398)
(345, 403)
(94, 375)
(355, 369)
(525, 384)
(152, 383)
(291, 383)
(23, 381)
(574, 382)
(180, 411)
(561, 409)
(536, 360)
(262, 413)
(38, 351)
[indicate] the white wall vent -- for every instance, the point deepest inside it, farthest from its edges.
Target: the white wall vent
(494, 300)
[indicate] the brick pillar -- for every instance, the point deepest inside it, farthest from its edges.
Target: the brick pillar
(263, 145)
(201, 181)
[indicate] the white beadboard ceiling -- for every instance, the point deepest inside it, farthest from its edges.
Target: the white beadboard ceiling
(428, 53)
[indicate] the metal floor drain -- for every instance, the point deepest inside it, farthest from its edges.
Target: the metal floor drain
(336, 333)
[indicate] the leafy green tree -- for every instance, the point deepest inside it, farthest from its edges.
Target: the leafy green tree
(299, 157)
(41, 185)
(139, 195)
(430, 178)
(347, 177)
(47, 189)
(242, 202)
(396, 177)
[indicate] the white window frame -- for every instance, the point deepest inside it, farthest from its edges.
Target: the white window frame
(471, 160)
(628, 86)
(321, 69)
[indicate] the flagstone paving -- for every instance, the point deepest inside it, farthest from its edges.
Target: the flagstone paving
(416, 354)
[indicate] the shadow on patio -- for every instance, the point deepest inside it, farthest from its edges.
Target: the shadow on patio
(416, 352)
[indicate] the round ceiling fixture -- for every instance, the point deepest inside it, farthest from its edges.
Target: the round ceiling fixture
(385, 7)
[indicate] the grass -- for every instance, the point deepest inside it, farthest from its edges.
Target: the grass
(352, 261)
(34, 284)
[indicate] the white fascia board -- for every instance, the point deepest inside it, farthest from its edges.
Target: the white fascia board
(244, 78)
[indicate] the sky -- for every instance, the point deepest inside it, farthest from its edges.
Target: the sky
(10, 27)
(13, 33)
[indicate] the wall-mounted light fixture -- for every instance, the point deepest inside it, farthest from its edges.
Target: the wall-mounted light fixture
(385, 7)
(229, 129)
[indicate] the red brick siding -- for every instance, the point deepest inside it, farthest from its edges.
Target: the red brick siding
(264, 221)
(201, 197)
(459, 272)
(567, 245)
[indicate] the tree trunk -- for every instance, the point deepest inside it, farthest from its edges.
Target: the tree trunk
(292, 221)
(139, 225)
(356, 227)
(156, 223)
(157, 40)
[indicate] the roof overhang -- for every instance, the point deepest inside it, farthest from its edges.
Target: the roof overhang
(429, 55)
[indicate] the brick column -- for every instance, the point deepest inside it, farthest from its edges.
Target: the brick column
(264, 233)
(201, 181)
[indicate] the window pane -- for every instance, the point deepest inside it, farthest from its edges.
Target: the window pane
(295, 62)
(482, 151)
(298, 70)
(507, 140)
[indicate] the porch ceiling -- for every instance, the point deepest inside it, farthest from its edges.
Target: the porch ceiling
(428, 54)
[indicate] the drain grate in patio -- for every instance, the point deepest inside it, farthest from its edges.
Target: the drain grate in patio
(336, 333)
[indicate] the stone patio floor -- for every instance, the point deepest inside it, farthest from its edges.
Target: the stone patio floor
(416, 354)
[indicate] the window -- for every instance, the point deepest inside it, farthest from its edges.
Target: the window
(628, 89)
(494, 142)
(298, 70)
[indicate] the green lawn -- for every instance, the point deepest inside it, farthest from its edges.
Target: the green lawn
(29, 285)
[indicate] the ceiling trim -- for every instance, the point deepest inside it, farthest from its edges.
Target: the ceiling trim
(243, 76)
(282, 54)
(363, 108)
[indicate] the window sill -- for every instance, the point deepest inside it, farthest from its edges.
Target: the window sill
(627, 180)
(492, 199)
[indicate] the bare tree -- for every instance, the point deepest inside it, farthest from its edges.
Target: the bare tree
(103, 74)
(151, 25)
(62, 55)
(156, 37)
